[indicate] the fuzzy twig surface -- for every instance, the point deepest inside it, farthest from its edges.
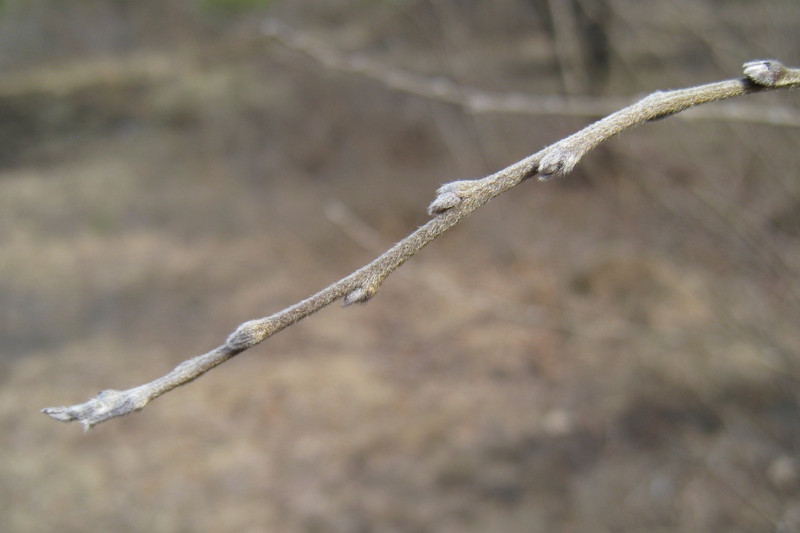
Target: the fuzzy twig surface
(454, 202)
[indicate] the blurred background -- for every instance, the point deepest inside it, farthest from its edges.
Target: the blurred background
(614, 351)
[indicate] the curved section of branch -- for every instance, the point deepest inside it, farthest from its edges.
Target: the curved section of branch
(454, 202)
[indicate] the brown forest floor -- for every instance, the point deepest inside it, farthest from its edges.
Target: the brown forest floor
(617, 351)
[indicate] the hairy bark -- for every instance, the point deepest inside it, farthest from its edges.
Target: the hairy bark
(454, 202)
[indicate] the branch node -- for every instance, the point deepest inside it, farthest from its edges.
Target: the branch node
(768, 72)
(450, 195)
(247, 335)
(557, 161)
(361, 295)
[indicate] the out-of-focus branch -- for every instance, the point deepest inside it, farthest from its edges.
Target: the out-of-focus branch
(454, 202)
(567, 41)
(477, 101)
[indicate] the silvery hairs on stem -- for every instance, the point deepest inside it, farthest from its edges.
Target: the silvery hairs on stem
(454, 202)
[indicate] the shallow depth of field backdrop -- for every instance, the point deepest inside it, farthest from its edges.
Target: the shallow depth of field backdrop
(615, 351)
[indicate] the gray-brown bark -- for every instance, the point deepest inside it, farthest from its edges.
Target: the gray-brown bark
(454, 202)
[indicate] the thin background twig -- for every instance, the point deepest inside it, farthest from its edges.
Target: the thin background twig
(486, 102)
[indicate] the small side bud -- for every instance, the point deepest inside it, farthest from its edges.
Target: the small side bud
(359, 295)
(247, 335)
(557, 162)
(450, 195)
(551, 170)
(765, 71)
(444, 202)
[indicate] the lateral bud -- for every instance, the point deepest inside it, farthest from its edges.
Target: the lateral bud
(557, 162)
(247, 335)
(360, 295)
(768, 72)
(450, 195)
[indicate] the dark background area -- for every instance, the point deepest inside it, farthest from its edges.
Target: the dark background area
(614, 351)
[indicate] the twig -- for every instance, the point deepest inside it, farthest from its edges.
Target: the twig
(485, 102)
(454, 202)
(566, 37)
